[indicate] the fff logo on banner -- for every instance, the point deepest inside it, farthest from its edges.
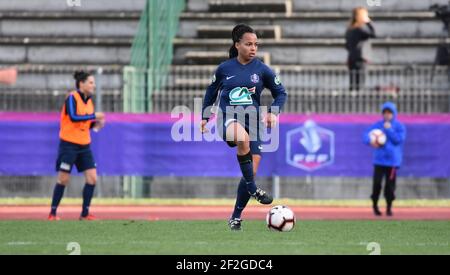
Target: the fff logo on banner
(310, 147)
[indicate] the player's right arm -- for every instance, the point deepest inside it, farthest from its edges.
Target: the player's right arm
(210, 97)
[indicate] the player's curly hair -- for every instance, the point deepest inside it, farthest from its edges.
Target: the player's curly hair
(237, 34)
(80, 76)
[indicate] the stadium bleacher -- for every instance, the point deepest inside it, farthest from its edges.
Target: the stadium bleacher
(45, 37)
(312, 34)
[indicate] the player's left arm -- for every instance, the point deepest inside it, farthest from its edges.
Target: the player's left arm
(395, 132)
(279, 94)
(98, 123)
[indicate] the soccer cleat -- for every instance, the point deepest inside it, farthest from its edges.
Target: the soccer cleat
(53, 218)
(389, 212)
(262, 196)
(235, 224)
(377, 211)
(88, 218)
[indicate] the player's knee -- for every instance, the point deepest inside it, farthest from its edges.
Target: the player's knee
(92, 179)
(91, 176)
(64, 179)
(242, 140)
(64, 182)
(243, 145)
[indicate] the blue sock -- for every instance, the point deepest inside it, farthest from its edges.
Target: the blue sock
(88, 193)
(58, 193)
(241, 200)
(246, 164)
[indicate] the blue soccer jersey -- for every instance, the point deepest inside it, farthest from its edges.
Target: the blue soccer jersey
(242, 85)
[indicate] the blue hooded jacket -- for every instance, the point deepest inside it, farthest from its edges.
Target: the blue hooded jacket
(390, 154)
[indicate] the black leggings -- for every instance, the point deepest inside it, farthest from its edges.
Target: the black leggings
(390, 173)
(357, 75)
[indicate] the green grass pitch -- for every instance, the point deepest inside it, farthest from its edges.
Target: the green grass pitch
(213, 237)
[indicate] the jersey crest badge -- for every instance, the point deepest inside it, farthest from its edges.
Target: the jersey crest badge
(254, 78)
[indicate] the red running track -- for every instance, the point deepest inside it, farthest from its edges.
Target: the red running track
(218, 213)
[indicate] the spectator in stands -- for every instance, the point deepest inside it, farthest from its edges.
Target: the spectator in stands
(387, 157)
(359, 31)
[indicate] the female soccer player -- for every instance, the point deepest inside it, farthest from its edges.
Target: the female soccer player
(77, 118)
(241, 81)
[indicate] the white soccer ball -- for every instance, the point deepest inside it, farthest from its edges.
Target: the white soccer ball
(377, 137)
(280, 218)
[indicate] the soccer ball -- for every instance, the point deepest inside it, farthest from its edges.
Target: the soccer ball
(280, 218)
(377, 137)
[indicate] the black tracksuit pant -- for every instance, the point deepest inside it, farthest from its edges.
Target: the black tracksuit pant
(380, 173)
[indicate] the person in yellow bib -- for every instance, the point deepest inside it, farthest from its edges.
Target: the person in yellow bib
(78, 117)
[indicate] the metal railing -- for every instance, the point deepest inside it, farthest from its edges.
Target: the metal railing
(322, 89)
(311, 89)
(20, 100)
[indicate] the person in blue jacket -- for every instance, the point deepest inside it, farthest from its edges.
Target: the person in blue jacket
(387, 157)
